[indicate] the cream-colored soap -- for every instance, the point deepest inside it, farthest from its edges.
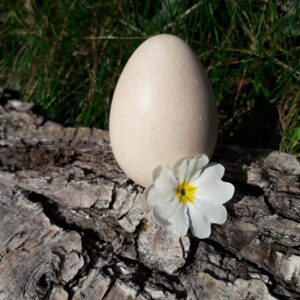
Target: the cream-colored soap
(162, 109)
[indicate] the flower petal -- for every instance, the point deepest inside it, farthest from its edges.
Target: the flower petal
(190, 168)
(212, 172)
(165, 209)
(157, 171)
(210, 186)
(214, 212)
(159, 220)
(199, 224)
(196, 165)
(163, 175)
(163, 187)
(179, 221)
(180, 168)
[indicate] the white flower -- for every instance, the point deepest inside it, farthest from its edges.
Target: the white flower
(190, 196)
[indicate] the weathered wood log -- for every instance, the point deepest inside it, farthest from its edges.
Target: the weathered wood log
(73, 226)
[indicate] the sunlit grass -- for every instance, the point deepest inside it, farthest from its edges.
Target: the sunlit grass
(66, 56)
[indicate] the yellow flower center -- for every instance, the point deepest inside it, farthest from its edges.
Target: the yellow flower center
(185, 192)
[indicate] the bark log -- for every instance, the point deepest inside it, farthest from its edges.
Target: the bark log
(73, 226)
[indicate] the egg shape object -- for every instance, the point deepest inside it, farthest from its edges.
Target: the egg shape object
(162, 108)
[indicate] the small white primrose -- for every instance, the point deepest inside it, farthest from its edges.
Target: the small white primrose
(191, 196)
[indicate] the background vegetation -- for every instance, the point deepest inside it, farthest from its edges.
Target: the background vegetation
(66, 56)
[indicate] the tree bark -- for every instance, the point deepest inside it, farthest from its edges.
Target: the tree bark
(73, 226)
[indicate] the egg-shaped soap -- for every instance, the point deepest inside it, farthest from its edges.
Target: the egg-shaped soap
(162, 108)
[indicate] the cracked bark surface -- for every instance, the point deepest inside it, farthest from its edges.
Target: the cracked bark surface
(73, 226)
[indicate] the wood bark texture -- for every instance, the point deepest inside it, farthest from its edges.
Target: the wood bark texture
(73, 226)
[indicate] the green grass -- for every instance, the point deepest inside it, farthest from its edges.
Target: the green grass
(66, 57)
